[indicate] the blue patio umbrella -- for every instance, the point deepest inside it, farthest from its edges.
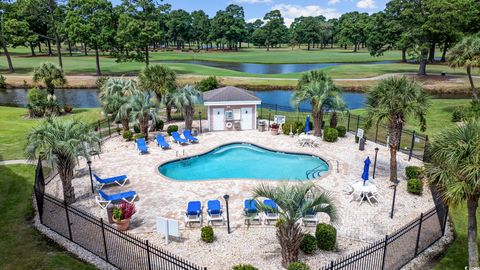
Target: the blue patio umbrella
(307, 124)
(366, 167)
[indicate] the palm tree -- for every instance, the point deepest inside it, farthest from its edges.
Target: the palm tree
(49, 74)
(335, 105)
(467, 54)
(139, 106)
(395, 99)
(184, 98)
(158, 79)
(168, 102)
(62, 141)
(455, 171)
(315, 86)
(114, 96)
(294, 201)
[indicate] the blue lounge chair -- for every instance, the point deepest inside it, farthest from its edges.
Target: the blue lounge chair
(271, 211)
(251, 211)
(161, 141)
(176, 138)
(214, 210)
(119, 180)
(104, 199)
(189, 137)
(193, 213)
(142, 146)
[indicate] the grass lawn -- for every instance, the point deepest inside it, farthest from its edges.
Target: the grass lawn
(21, 246)
(85, 65)
(14, 129)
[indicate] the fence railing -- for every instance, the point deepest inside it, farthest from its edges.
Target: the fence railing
(400, 247)
(120, 249)
(411, 142)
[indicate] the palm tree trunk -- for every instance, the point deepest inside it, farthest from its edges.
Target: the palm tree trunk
(144, 125)
(189, 112)
(472, 85)
(125, 124)
(289, 236)
(55, 32)
(169, 112)
(393, 145)
(65, 170)
(317, 121)
(422, 69)
(472, 205)
(333, 120)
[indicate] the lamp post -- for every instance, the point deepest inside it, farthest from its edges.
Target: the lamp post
(375, 162)
(200, 120)
(89, 163)
(226, 197)
(394, 197)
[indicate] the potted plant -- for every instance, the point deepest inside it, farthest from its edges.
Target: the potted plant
(274, 128)
(122, 214)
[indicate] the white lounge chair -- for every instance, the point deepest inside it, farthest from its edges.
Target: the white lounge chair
(193, 213)
(271, 213)
(251, 211)
(104, 199)
(214, 212)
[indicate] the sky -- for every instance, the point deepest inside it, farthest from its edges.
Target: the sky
(290, 9)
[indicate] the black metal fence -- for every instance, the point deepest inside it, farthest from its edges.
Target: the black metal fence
(400, 247)
(411, 142)
(120, 249)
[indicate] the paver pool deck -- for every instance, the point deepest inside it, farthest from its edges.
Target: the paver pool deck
(357, 225)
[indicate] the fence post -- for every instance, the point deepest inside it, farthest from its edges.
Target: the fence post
(348, 122)
(358, 123)
(261, 110)
(376, 133)
(331, 265)
(109, 131)
(385, 245)
(148, 256)
(411, 146)
(425, 149)
(444, 220)
(99, 129)
(104, 239)
(68, 220)
(418, 234)
(298, 115)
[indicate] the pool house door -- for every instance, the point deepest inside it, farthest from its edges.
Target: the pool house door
(218, 119)
(246, 121)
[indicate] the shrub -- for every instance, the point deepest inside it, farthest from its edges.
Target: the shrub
(138, 136)
(457, 114)
(413, 172)
(118, 130)
(326, 236)
(207, 234)
(342, 131)
(244, 267)
(159, 125)
(208, 84)
(3, 82)
(136, 128)
(37, 97)
(308, 244)
(127, 135)
(330, 134)
(171, 129)
(298, 266)
(100, 81)
(67, 108)
(415, 186)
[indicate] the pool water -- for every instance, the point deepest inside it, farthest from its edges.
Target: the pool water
(242, 160)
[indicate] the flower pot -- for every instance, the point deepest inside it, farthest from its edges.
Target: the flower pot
(274, 131)
(122, 225)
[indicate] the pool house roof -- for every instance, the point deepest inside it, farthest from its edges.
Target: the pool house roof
(229, 95)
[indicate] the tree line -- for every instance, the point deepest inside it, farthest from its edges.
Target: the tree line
(132, 29)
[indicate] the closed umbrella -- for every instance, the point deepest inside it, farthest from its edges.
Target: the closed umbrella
(307, 124)
(366, 167)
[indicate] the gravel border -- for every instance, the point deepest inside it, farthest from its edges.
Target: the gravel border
(428, 258)
(68, 245)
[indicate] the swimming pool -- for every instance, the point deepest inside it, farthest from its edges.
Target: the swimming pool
(243, 160)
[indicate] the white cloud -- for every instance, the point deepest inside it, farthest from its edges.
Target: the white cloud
(253, 20)
(253, 1)
(366, 4)
(333, 2)
(290, 12)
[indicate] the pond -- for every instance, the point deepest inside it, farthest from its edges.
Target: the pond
(88, 98)
(255, 68)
